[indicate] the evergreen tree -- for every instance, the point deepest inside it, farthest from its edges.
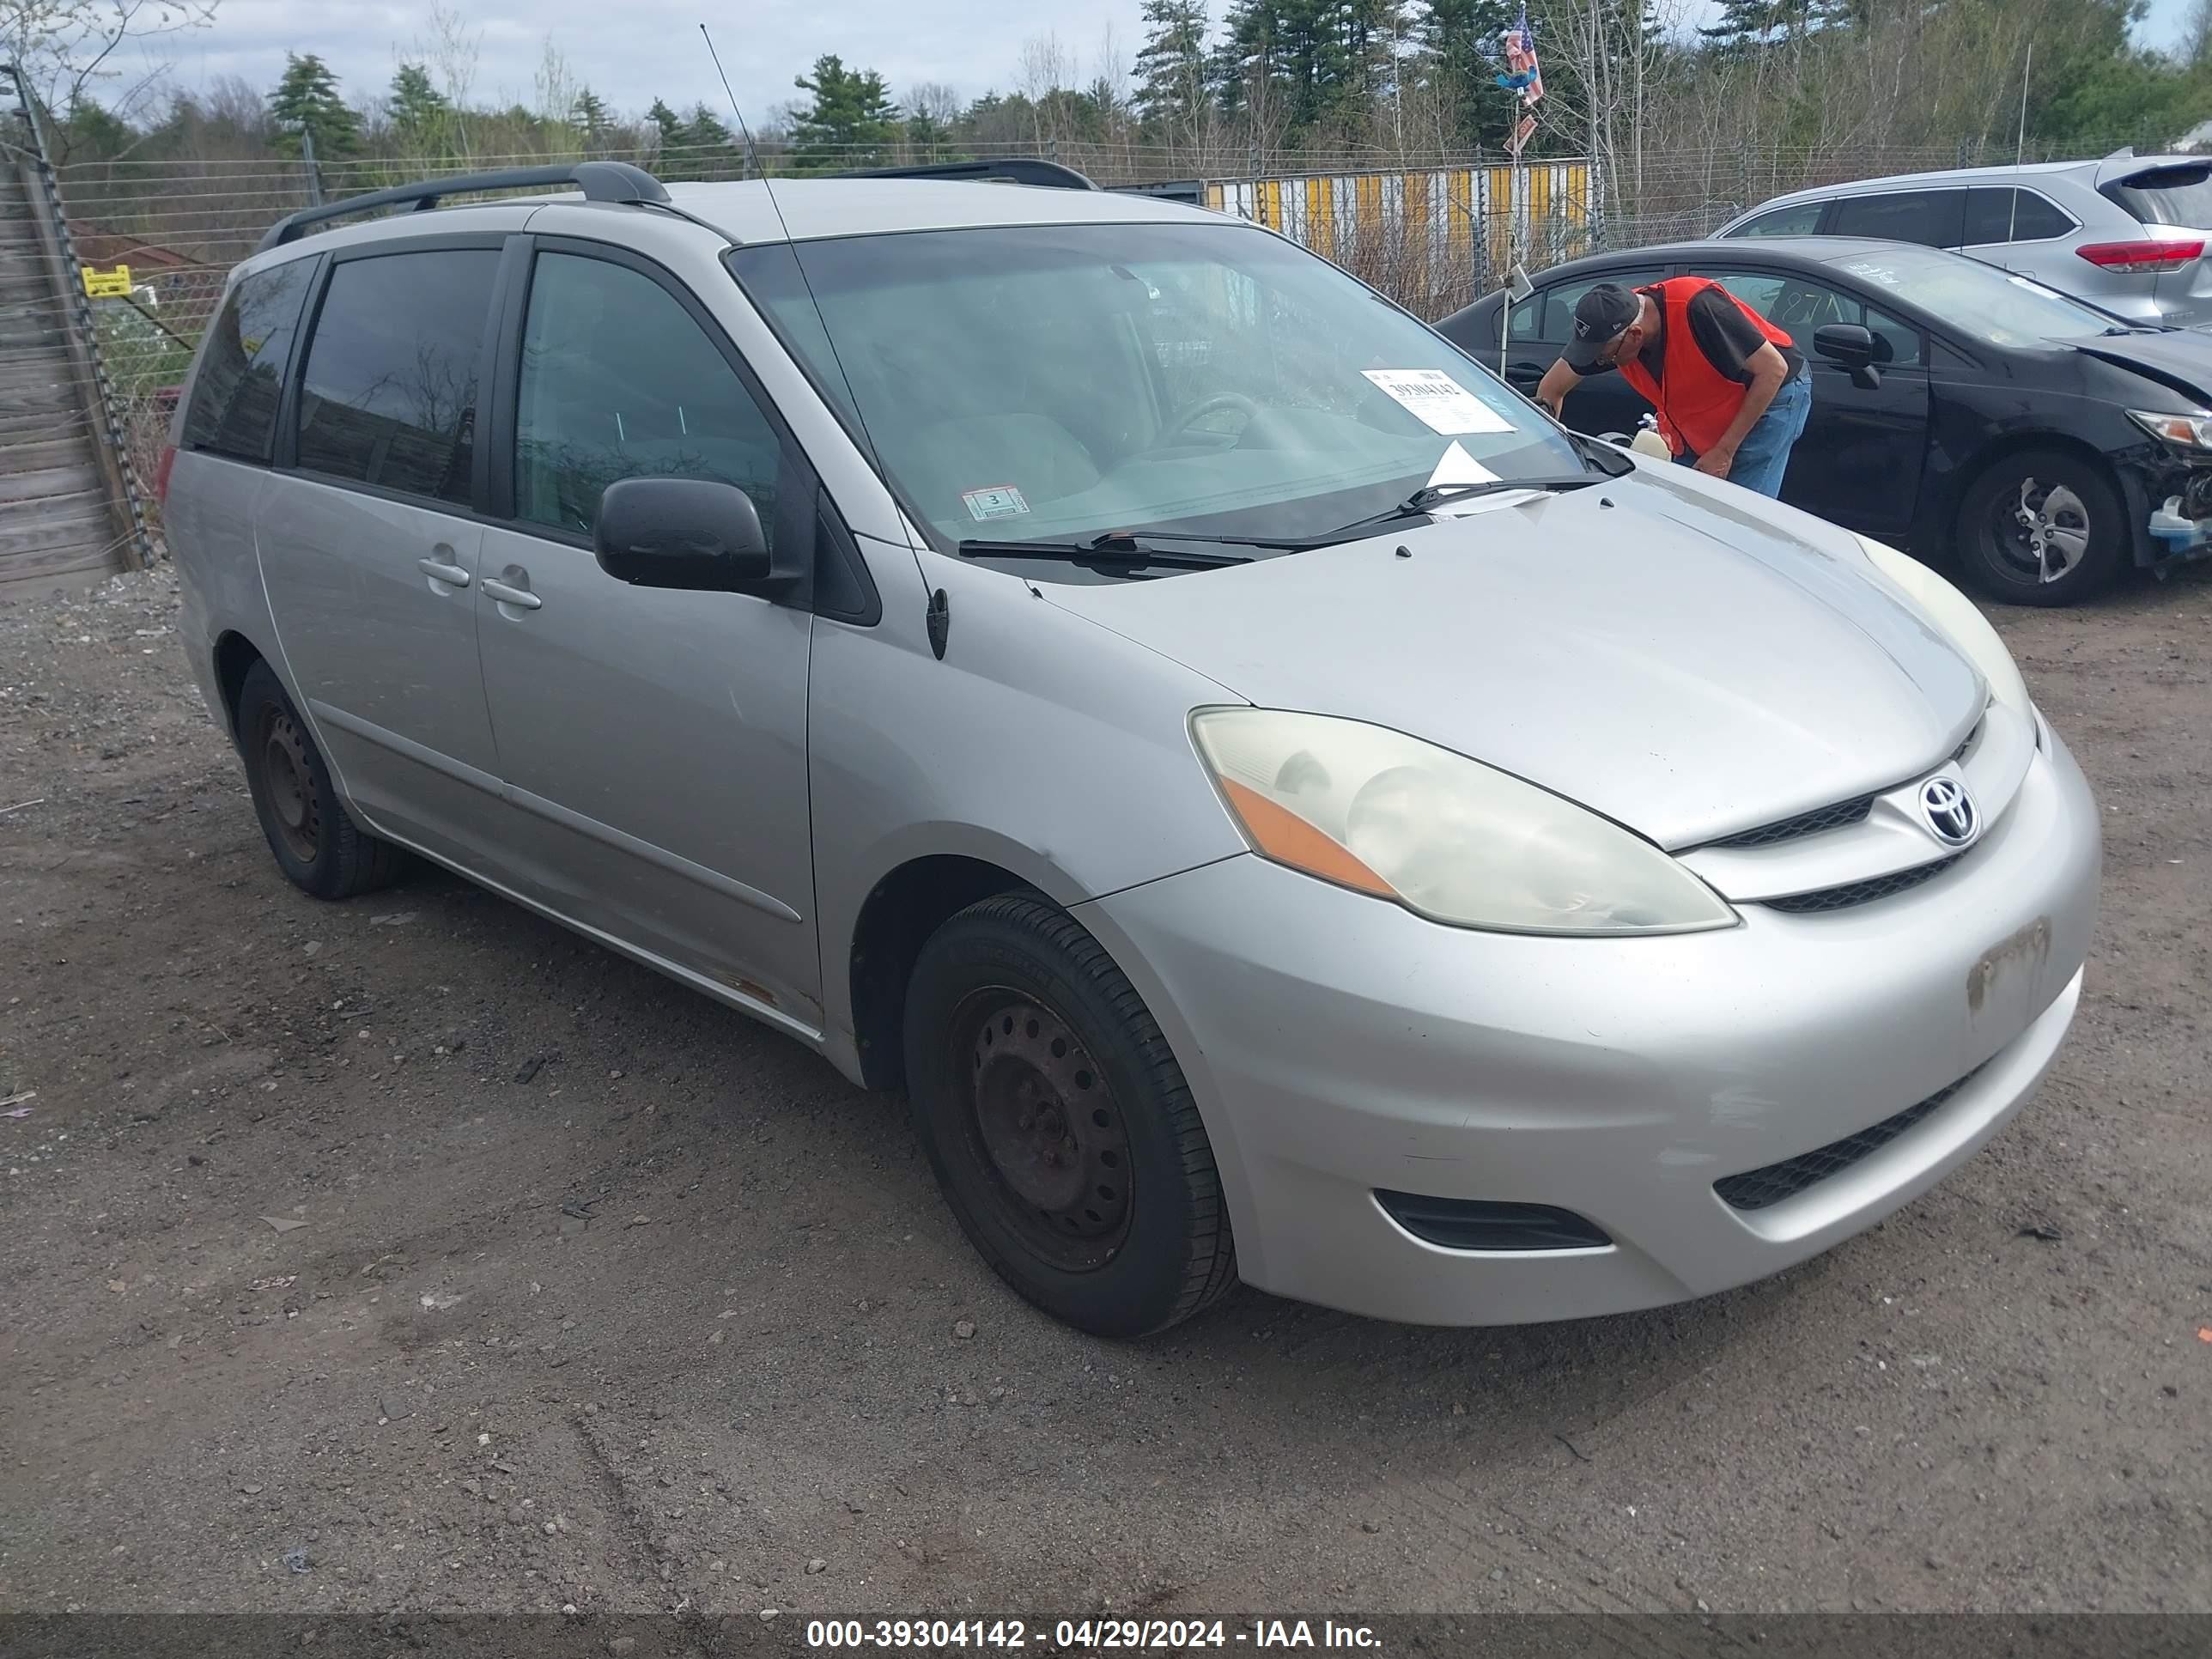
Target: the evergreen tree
(851, 123)
(306, 101)
(1175, 83)
(666, 122)
(1459, 41)
(589, 114)
(417, 107)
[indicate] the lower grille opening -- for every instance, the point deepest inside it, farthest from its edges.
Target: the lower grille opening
(1757, 1189)
(1861, 892)
(1474, 1224)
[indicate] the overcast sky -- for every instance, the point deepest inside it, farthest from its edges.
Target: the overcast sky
(633, 50)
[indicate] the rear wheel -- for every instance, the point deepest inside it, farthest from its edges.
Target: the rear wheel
(1059, 1125)
(317, 844)
(2042, 527)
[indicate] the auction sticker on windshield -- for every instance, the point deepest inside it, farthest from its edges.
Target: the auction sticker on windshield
(1441, 403)
(994, 501)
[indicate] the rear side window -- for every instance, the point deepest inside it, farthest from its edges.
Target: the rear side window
(389, 397)
(2001, 213)
(1800, 219)
(2179, 195)
(1934, 218)
(234, 405)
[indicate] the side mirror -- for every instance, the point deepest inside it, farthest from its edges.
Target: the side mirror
(1847, 344)
(697, 534)
(1853, 347)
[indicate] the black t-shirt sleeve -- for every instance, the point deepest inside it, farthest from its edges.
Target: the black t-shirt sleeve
(1729, 339)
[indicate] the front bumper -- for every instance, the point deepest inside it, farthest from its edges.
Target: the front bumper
(1339, 1045)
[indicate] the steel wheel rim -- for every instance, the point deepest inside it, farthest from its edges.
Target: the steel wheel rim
(2043, 533)
(1046, 1133)
(286, 783)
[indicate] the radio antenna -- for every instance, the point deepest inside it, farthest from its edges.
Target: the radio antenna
(752, 150)
(753, 153)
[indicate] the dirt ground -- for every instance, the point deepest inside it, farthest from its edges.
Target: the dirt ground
(470, 1267)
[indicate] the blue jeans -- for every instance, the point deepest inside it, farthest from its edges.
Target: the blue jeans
(1763, 455)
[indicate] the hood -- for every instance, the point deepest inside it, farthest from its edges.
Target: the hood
(2179, 359)
(1678, 661)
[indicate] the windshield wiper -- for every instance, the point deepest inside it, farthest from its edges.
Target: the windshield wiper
(1115, 549)
(1425, 500)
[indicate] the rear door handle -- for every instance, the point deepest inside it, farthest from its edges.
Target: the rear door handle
(521, 598)
(439, 571)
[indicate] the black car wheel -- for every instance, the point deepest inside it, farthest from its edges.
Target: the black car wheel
(317, 846)
(1059, 1125)
(2042, 527)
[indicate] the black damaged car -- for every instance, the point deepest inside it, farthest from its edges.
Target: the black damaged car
(1956, 407)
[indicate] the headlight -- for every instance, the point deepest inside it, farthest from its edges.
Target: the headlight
(1952, 615)
(2190, 431)
(1447, 837)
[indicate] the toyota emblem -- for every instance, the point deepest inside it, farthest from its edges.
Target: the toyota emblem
(1950, 811)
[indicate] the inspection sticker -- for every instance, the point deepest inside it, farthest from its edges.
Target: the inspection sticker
(995, 502)
(1441, 403)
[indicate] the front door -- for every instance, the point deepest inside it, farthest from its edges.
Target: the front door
(1860, 461)
(653, 742)
(368, 547)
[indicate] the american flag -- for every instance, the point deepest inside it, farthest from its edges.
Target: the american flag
(1522, 74)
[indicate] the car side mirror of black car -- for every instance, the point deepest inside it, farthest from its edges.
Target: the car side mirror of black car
(1854, 347)
(697, 534)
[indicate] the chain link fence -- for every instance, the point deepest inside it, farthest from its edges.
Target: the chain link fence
(1433, 231)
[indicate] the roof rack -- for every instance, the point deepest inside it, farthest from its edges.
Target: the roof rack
(600, 181)
(1007, 170)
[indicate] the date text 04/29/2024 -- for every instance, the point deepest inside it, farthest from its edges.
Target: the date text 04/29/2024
(1086, 1635)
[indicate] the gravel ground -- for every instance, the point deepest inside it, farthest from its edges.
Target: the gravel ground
(413, 1253)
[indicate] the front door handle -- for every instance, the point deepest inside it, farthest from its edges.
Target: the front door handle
(521, 598)
(439, 571)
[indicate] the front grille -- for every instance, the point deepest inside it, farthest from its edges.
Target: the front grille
(1861, 892)
(1840, 815)
(1755, 1189)
(1843, 814)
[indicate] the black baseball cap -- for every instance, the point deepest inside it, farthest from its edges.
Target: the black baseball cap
(1600, 317)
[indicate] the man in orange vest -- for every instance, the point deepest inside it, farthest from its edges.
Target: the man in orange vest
(1730, 389)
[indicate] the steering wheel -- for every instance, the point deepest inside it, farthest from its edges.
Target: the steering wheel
(1218, 401)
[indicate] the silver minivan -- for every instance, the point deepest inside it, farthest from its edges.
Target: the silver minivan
(2127, 232)
(1280, 806)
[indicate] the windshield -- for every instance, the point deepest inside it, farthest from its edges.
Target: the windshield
(1063, 382)
(1980, 300)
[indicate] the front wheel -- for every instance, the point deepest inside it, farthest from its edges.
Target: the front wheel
(2042, 527)
(1059, 1125)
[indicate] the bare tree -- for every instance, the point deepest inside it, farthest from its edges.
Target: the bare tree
(66, 47)
(2196, 47)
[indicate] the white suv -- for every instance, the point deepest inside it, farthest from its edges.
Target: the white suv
(2128, 232)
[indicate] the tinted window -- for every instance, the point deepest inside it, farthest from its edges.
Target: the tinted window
(389, 392)
(234, 407)
(1802, 220)
(1802, 308)
(618, 382)
(1932, 218)
(2005, 215)
(2180, 195)
(1558, 320)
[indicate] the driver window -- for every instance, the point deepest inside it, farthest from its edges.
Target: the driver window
(618, 382)
(1802, 307)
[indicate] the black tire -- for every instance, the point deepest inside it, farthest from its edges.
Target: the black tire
(2050, 499)
(1018, 1018)
(317, 844)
